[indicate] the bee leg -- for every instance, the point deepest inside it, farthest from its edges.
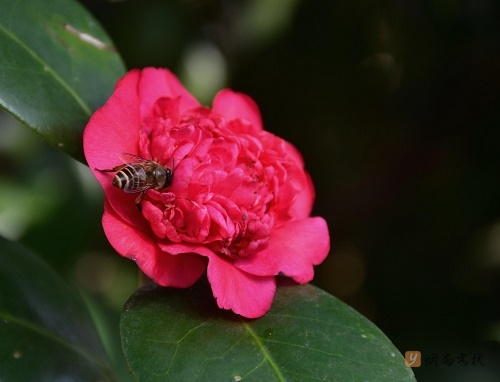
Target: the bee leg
(138, 200)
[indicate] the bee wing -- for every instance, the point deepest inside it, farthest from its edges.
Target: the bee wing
(138, 181)
(131, 158)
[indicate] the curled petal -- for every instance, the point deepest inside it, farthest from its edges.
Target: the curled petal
(304, 199)
(233, 105)
(157, 83)
(140, 246)
(293, 250)
(245, 294)
(294, 154)
(113, 129)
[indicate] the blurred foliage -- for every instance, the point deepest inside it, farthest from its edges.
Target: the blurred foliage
(395, 107)
(61, 51)
(47, 332)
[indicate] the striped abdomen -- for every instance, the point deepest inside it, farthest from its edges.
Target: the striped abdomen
(132, 178)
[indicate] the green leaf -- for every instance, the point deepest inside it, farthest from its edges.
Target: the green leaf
(308, 335)
(46, 333)
(57, 66)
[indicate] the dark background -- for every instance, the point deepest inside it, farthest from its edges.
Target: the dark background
(395, 108)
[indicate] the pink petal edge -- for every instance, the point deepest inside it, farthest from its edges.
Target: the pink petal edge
(112, 130)
(159, 82)
(234, 105)
(293, 250)
(165, 269)
(245, 294)
(304, 200)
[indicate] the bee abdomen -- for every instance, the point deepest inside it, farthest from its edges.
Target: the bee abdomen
(126, 179)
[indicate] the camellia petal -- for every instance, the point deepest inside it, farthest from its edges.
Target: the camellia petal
(163, 268)
(234, 105)
(293, 250)
(245, 294)
(113, 129)
(157, 83)
(304, 199)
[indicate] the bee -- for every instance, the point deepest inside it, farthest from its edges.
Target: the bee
(137, 174)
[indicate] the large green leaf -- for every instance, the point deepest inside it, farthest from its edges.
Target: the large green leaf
(57, 66)
(46, 333)
(308, 335)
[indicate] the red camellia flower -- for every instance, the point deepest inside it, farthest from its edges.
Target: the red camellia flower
(238, 203)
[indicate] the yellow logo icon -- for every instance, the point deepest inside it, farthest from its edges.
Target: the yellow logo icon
(413, 358)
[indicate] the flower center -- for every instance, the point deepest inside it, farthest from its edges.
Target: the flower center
(220, 195)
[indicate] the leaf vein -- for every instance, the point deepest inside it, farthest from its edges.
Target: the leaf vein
(356, 360)
(266, 354)
(226, 351)
(254, 369)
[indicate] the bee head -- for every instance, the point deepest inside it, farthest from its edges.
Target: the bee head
(163, 176)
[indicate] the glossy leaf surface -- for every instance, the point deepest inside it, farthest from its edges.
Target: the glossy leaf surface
(57, 66)
(308, 335)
